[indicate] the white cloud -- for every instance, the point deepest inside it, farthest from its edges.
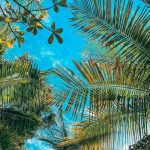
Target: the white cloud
(46, 53)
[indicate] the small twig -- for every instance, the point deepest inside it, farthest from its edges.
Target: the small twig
(17, 16)
(3, 11)
(32, 15)
(45, 8)
(12, 30)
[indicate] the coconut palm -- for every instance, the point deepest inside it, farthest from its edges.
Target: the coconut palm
(116, 92)
(23, 95)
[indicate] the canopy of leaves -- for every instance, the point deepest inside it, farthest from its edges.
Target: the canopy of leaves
(19, 16)
(23, 94)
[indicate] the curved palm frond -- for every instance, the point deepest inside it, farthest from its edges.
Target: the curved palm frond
(103, 86)
(22, 123)
(108, 132)
(56, 132)
(116, 25)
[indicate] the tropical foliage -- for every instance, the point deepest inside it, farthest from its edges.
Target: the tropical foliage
(19, 16)
(110, 97)
(23, 95)
(56, 131)
(142, 144)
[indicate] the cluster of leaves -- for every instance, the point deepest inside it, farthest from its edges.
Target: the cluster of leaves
(26, 15)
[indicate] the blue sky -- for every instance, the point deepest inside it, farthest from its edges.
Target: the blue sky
(46, 55)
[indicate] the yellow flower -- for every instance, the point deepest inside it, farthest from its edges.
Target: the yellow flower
(10, 44)
(7, 19)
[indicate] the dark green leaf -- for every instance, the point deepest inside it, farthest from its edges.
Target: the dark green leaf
(50, 39)
(35, 31)
(30, 29)
(62, 3)
(59, 30)
(56, 9)
(53, 26)
(59, 39)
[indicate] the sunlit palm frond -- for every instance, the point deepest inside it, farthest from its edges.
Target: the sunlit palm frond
(103, 86)
(108, 132)
(115, 24)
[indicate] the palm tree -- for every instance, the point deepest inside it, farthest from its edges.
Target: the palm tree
(23, 95)
(116, 93)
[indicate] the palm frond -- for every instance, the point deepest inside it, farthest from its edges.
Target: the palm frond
(103, 86)
(56, 132)
(97, 52)
(144, 143)
(22, 123)
(23, 95)
(106, 132)
(22, 85)
(115, 24)
(7, 138)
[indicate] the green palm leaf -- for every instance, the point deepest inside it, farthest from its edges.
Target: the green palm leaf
(7, 138)
(107, 132)
(103, 87)
(116, 25)
(22, 122)
(23, 95)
